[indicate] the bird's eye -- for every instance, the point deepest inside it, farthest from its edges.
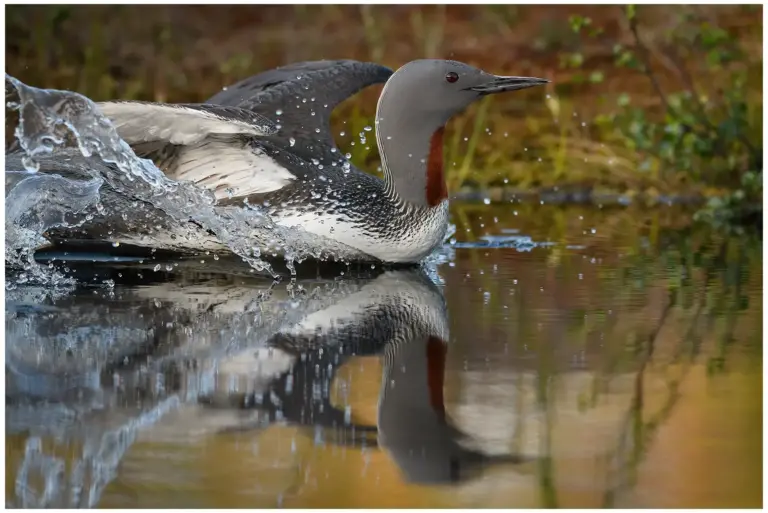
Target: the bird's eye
(451, 77)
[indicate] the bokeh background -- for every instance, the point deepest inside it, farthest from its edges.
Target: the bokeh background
(651, 102)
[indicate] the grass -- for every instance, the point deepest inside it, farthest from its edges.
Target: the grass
(652, 100)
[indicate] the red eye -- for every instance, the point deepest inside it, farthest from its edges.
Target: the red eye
(451, 77)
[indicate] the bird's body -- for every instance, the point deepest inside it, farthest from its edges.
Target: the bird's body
(266, 142)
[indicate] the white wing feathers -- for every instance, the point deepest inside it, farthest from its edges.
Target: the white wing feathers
(207, 153)
(229, 169)
(138, 122)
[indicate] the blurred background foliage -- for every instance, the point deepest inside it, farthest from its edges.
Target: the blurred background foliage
(646, 101)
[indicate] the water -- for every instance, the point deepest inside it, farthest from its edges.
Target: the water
(619, 368)
(546, 356)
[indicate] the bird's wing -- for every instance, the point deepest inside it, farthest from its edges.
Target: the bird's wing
(304, 94)
(210, 145)
(181, 124)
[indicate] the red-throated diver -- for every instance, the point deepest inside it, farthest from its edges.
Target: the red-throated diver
(266, 141)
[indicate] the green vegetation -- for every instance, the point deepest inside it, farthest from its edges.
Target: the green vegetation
(646, 101)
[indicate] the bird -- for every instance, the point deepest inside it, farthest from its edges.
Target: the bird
(266, 141)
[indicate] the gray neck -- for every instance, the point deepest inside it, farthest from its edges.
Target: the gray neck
(404, 138)
(405, 401)
(416, 436)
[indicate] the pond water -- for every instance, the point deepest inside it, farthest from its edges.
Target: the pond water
(555, 356)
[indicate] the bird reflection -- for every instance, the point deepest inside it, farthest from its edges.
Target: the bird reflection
(229, 348)
(402, 317)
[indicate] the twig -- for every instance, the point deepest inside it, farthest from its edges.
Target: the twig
(646, 60)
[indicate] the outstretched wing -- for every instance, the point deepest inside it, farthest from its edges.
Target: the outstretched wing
(209, 145)
(300, 97)
(224, 144)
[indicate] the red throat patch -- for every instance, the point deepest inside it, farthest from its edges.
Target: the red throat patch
(436, 374)
(436, 190)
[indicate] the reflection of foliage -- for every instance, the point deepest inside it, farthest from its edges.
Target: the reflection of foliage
(681, 302)
(715, 297)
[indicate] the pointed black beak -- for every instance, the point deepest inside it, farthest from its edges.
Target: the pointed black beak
(503, 84)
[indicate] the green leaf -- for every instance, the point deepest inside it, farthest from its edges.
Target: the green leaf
(596, 77)
(578, 22)
(623, 100)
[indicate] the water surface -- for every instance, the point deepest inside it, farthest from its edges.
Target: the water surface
(559, 356)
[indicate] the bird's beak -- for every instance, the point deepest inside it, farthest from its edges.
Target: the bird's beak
(503, 84)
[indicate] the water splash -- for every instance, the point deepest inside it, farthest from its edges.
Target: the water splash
(35, 204)
(521, 243)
